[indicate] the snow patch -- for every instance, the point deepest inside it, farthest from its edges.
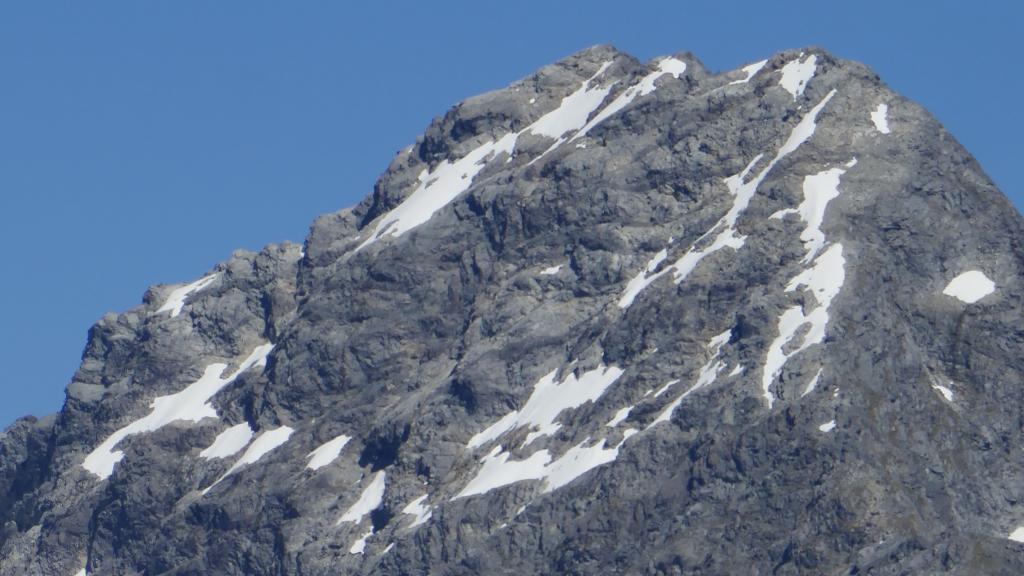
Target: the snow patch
(260, 447)
(190, 405)
(619, 417)
(498, 471)
(1017, 535)
(742, 191)
(176, 300)
(438, 187)
(736, 371)
(418, 509)
(819, 189)
(229, 442)
(665, 388)
(812, 384)
(576, 462)
(708, 373)
(551, 271)
(750, 71)
(827, 426)
(880, 118)
(327, 453)
(643, 279)
(644, 87)
(574, 110)
(368, 501)
(548, 400)
(797, 73)
(970, 287)
(359, 546)
(824, 280)
(946, 392)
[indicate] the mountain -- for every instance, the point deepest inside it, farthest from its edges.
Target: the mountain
(617, 318)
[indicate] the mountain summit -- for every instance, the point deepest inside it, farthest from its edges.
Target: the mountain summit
(615, 318)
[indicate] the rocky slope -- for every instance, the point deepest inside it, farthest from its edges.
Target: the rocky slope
(615, 318)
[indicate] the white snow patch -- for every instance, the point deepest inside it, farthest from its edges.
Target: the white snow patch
(742, 191)
(819, 189)
(970, 287)
(82, 572)
(812, 384)
(191, 405)
(749, 70)
(552, 270)
(619, 417)
(737, 370)
(946, 392)
(827, 426)
(327, 453)
(665, 388)
(824, 280)
(418, 509)
(880, 118)
(229, 442)
(797, 73)
(781, 214)
(368, 501)
(359, 546)
(388, 548)
(708, 373)
(574, 109)
(1017, 535)
(176, 300)
(498, 471)
(548, 400)
(643, 279)
(644, 87)
(438, 187)
(260, 447)
(576, 462)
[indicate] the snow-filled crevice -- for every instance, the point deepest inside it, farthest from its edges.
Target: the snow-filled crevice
(189, 405)
(646, 85)
(708, 373)
(328, 452)
(419, 510)
(446, 181)
(823, 279)
(749, 72)
(724, 232)
(548, 399)
(176, 299)
(369, 500)
(260, 447)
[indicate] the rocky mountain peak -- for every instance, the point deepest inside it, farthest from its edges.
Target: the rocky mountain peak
(617, 317)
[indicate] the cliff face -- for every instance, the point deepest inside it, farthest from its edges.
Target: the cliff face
(615, 318)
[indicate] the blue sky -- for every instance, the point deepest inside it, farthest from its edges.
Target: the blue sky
(142, 142)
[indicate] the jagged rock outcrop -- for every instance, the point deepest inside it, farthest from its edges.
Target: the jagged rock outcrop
(615, 318)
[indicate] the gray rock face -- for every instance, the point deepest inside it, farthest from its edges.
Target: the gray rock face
(615, 318)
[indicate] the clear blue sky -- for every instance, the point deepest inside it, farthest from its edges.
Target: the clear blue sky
(141, 142)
